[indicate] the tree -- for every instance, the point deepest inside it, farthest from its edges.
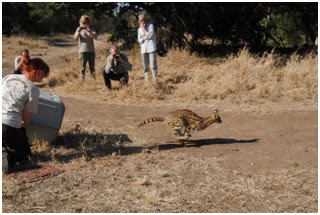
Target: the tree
(15, 17)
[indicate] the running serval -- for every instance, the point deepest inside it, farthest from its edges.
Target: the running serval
(182, 121)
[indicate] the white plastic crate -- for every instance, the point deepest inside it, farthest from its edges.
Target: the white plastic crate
(45, 124)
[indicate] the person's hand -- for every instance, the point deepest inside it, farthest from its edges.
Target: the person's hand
(120, 59)
(143, 25)
(80, 28)
(111, 58)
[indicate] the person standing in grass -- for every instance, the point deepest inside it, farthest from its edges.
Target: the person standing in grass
(18, 65)
(147, 40)
(117, 67)
(85, 35)
(19, 100)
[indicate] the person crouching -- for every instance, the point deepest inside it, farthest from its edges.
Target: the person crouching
(116, 68)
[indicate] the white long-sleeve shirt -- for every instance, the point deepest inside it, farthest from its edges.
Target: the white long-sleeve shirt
(150, 45)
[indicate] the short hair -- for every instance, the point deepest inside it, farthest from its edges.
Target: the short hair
(83, 19)
(115, 47)
(35, 64)
(143, 15)
(25, 51)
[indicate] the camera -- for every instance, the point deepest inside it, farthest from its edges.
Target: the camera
(116, 56)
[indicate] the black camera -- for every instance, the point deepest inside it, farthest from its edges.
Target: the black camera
(116, 56)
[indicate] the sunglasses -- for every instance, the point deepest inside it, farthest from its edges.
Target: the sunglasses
(142, 20)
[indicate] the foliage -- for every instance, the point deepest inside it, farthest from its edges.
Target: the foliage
(189, 25)
(14, 17)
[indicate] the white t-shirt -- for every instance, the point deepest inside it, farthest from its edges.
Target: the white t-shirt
(17, 61)
(18, 94)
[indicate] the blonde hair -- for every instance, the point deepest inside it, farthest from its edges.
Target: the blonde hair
(84, 18)
(143, 15)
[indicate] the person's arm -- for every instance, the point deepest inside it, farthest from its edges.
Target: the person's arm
(17, 63)
(141, 38)
(26, 115)
(32, 105)
(77, 33)
(150, 31)
(109, 64)
(125, 62)
(92, 33)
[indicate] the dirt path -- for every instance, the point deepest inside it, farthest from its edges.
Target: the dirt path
(246, 141)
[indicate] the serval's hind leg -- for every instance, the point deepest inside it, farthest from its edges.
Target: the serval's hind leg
(181, 135)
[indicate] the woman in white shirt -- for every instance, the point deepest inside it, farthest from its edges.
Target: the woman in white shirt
(19, 100)
(147, 40)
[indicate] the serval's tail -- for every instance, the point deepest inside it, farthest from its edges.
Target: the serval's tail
(153, 119)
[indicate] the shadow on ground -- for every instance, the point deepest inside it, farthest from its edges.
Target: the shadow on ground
(61, 42)
(71, 146)
(203, 142)
(128, 150)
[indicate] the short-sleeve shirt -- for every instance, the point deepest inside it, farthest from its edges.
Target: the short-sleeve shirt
(86, 43)
(18, 94)
(17, 61)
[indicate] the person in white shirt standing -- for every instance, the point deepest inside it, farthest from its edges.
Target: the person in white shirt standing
(147, 40)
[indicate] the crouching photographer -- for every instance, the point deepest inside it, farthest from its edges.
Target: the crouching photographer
(116, 68)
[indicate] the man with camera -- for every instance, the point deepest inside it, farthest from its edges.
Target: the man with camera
(85, 35)
(117, 67)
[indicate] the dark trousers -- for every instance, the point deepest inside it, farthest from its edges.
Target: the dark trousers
(123, 78)
(16, 142)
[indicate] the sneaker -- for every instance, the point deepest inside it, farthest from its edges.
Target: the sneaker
(146, 76)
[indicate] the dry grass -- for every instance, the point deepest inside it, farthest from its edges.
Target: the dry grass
(239, 80)
(97, 179)
(192, 184)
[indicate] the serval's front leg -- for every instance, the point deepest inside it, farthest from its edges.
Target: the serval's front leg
(181, 134)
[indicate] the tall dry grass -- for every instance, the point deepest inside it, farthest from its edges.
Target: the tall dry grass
(13, 46)
(242, 78)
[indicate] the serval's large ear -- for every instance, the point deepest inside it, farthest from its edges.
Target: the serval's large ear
(216, 111)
